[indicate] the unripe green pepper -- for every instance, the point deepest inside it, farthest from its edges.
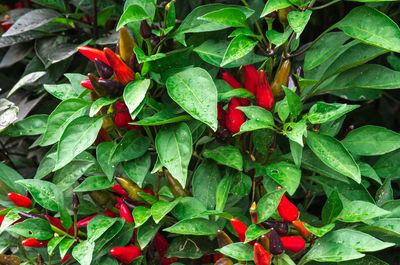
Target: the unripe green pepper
(176, 188)
(281, 79)
(130, 187)
(103, 199)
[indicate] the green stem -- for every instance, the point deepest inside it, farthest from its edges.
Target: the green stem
(323, 6)
(60, 232)
(149, 134)
(148, 44)
(75, 224)
(256, 23)
(95, 34)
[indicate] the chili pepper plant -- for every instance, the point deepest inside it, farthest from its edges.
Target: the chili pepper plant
(204, 132)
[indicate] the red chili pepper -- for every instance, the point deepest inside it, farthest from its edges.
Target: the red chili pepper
(275, 243)
(227, 77)
(87, 84)
(93, 53)
(264, 97)
(66, 257)
(57, 223)
(234, 117)
(250, 78)
(126, 254)
(125, 213)
(2, 219)
(133, 127)
(122, 71)
(287, 210)
(20, 200)
(169, 261)
(206, 259)
(261, 256)
(148, 191)
(109, 214)
(240, 229)
(221, 116)
(118, 189)
(119, 202)
(122, 119)
(293, 243)
(19, 5)
(304, 232)
(217, 256)
(34, 243)
(162, 246)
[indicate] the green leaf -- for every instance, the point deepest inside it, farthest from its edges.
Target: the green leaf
(132, 146)
(368, 171)
(131, 14)
(203, 184)
(104, 153)
(226, 155)
(388, 165)
(239, 251)
(298, 20)
(297, 152)
(368, 29)
(194, 90)
(222, 192)
(319, 231)
(278, 38)
(294, 102)
(174, 148)
(268, 204)
(384, 193)
(32, 125)
(333, 154)
(68, 175)
(323, 49)
(9, 176)
(65, 245)
(322, 112)
(332, 207)
(188, 207)
(239, 47)
(146, 232)
(185, 247)
(195, 226)
(358, 211)
(231, 17)
(53, 243)
(138, 168)
(239, 93)
(274, 5)
(141, 215)
(165, 116)
(63, 114)
(371, 140)
(94, 183)
(99, 103)
(78, 135)
(11, 216)
(295, 131)
(162, 208)
(83, 252)
(31, 20)
(142, 57)
(253, 232)
(259, 119)
(212, 52)
(98, 226)
(286, 174)
(241, 184)
(33, 228)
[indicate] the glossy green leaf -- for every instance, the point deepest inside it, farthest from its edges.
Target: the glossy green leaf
(98, 226)
(132, 146)
(322, 112)
(332, 207)
(165, 116)
(226, 155)
(297, 152)
(185, 247)
(286, 174)
(388, 165)
(319, 231)
(174, 147)
(253, 232)
(239, 47)
(278, 38)
(53, 243)
(99, 103)
(83, 252)
(104, 152)
(33, 228)
(371, 140)
(298, 20)
(231, 17)
(222, 192)
(295, 131)
(294, 102)
(239, 251)
(9, 176)
(274, 5)
(333, 154)
(131, 14)
(358, 211)
(78, 135)
(203, 183)
(268, 204)
(32, 125)
(241, 184)
(194, 90)
(162, 208)
(94, 183)
(146, 232)
(195, 226)
(141, 215)
(135, 92)
(138, 168)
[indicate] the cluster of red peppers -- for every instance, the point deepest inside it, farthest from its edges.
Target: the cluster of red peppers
(274, 242)
(257, 84)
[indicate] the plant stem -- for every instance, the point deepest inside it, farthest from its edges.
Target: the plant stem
(323, 6)
(256, 23)
(95, 34)
(60, 232)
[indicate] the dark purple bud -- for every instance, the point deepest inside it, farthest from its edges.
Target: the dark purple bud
(300, 72)
(75, 202)
(134, 64)
(114, 87)
(272, 15)
(145, 30)
(99, 89)
(103, 69)
(275, 243)
(117, 49)
(31, 215)
(130, 205)
(279, 226)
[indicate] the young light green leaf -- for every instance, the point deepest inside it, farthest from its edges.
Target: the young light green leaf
(131, 14)
(141, 215)
(253, 232)
(194, 90)
(239, 47)
(358, 211)
(83, 252)
(298, 20)
(94, 183)
(322, 112)
(286, 174)
(273, 5)
(162, 208)
(294, 102)
(268, 204)
(222, 192)
(195, 226)
(135, 92)
(98, 226)
(98, 104)
(231, 17)
(226, 155)
(278, 38)
(239, 251)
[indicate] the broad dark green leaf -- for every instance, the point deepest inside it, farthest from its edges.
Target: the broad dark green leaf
(268, 204)
(371, 140)
(78, 135)
(146, 232)
(174, 147)
(241, 184)
(165, 116)
(98, 226)
(185, 247)
(226, 155)
(98, 104)
(61, 116)
(138, 168)
(297, 152)
(162, 208)
(69, 174)
(204, 181)
(28, 79)
(294, 102)
(333, 154)
(332, 207)
(32, 20)
(94, 183)
(286, 174)
(9, 176)
(323, 49)
(131, 14)
(384, 193)
(388, 165)
(369, 29)
(32, 125)
(194, 90)
(135, 92)
(35, 228)
(188, 207)
(222, 192)
(298, 20)
(104, 152)
(132, 146)
(239, 47)
(239, 251)
(358, 211)
(231, 17)
(195, 226)
(322, 112)
(253, 232)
